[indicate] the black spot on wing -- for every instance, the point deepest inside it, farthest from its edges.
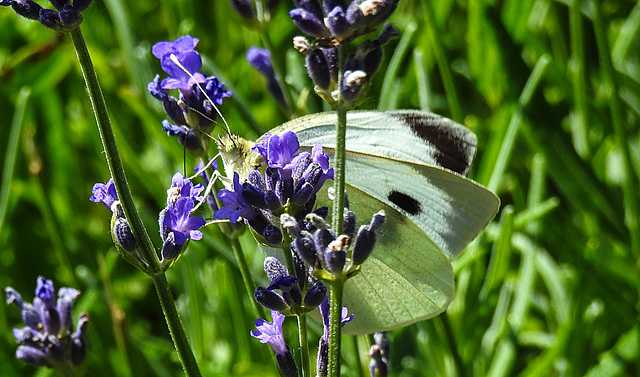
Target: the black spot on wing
(404, 201)
(454, 151)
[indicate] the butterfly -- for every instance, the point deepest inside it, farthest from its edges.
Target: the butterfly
(412, 165)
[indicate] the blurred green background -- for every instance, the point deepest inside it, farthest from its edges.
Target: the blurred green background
(551, 88)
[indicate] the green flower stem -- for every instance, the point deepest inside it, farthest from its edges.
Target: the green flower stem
(304, 345)
(335, 328)
(335, 294)
(124, 194)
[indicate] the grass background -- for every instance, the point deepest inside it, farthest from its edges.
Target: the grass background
(551, 88)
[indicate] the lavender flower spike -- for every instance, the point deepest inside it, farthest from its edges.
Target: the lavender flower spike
(47, 339)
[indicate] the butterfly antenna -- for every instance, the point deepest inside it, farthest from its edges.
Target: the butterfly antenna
(175, 60)
(214, 178)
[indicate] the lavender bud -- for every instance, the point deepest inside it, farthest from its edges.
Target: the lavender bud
(335, 260)
(300, 270)
(315, 295)
(363, 246)
(123, 234)
(338, 24)
(66, 297)
(382, 341)
(349, 223)
(69, 15)
(323, 358)
(32, 355)
(244, 8)
(255, 178)
(304, 194)
(49, 18)
(253, 195)
(287, 364)
(304, 246)
(27, 8)
(79, 341)
(170, 249)
(272, 235)
(274, 269)
(270, 299)
(388, 33)
(52, 348)
(318, 69)
(323, 237)
(309, 23)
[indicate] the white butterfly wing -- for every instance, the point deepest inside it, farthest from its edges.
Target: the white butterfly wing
(433, 213)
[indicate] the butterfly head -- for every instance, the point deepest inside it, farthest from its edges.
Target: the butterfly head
(237, 156)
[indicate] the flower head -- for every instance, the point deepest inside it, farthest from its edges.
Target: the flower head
(271, 333)
(48, 338)
(183, 50)
(289, 185)
(179, 221)
(104, 193)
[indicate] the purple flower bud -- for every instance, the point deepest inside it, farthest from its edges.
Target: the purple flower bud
(287, 364)
(349, 224)
(303, 195)
(69, 15)
(328, 5)
(363, 246)
(170, 249)
(269, 299)
(322, 238)
(315, 295)
(27, 8)
(388, 33)
(255, 178)
(272, 201)
(66, 297)
(318, 68)
(323, 358)
(185, 136)
(273, 268)
(309, 23)
(49, 18)
(305, 247)
(123, 235)
(272, 235)
(244, 8)
(32, 355)
(253, 195)
(79, 341)
(338, 24)
(335, 260)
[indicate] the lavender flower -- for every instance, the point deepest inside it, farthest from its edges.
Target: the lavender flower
(290, 185)
(181, 224)
(193, 113)
(104, 193)
(271, 333)
(65, 18)
(48, 338)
